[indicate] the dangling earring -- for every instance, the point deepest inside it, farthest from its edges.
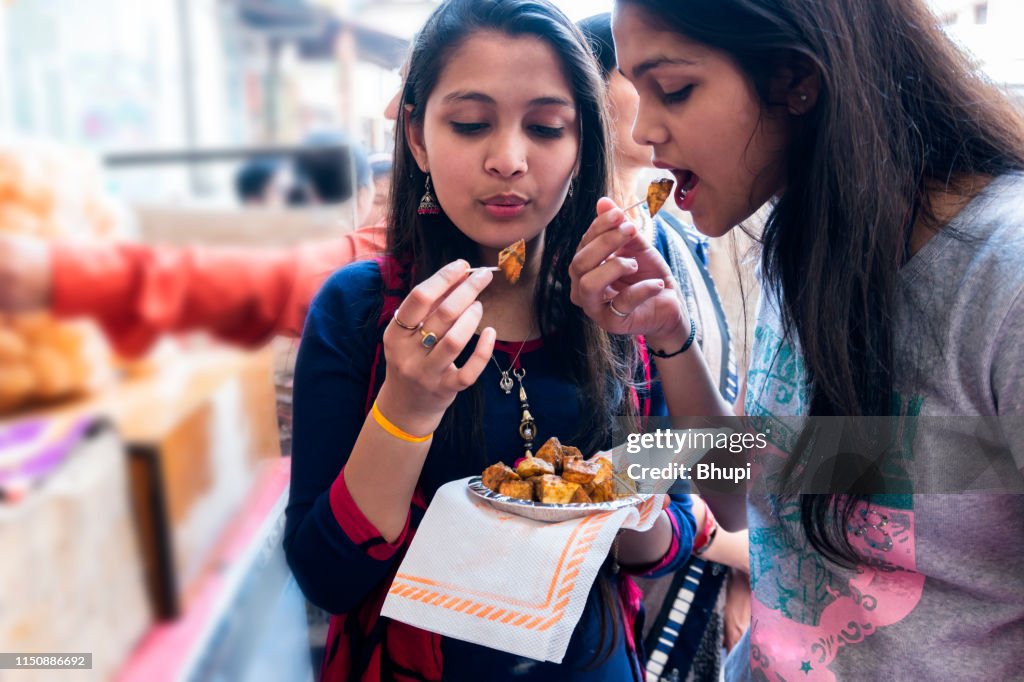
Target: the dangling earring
(428, 205)
(572, 187)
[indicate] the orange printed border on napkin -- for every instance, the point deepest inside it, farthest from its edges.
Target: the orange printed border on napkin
(562, 584)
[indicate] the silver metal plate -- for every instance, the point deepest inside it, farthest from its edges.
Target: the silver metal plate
(548, 513)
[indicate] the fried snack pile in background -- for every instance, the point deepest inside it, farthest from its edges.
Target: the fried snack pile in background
(557, 474)
(49, 191)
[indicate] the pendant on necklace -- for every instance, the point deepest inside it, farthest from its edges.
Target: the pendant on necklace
(506, 383)
(527, 426)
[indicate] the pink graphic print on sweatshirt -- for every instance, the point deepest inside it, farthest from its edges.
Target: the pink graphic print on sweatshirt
(801, 630)
(805, 609)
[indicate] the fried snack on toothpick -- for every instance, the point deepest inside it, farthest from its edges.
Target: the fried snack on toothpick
(511, 261)
(658, 193)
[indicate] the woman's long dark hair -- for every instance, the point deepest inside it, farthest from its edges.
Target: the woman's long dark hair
(602, 366)
(900, 113)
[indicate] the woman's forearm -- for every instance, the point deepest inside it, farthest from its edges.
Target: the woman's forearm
(730, 549)
(690, 390)
(693, 398)
(383, 470)
(381, 476)
(645, 548)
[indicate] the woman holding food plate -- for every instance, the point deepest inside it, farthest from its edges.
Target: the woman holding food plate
(414, 371)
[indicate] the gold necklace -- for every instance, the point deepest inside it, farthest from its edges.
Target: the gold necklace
(527, 426)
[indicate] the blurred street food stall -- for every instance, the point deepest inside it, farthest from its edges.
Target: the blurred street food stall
(122, 482)
(142, 500)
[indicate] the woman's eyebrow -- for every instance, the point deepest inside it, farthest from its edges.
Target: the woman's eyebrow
(473, 96)
(643, 67)
(551, 101)
(468, 96)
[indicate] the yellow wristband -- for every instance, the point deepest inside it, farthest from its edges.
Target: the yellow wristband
(383, 422)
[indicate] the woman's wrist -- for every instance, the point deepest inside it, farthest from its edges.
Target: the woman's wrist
(403, 417)
(672, 339)
(668, 353)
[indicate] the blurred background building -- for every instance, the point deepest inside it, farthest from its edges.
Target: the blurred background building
(115, 75)
(993, 31)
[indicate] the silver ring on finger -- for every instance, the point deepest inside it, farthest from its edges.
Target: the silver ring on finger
(428, 340)
(616, 311)
(403, 325)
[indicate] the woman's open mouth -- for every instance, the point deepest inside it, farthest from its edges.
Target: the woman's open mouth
(686, 184)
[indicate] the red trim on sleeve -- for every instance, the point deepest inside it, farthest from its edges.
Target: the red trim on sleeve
(673, 549)
(357, 527)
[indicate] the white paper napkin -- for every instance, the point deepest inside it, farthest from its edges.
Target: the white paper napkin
(500, 580)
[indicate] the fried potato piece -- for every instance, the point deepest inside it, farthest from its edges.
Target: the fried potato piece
(580, 497)
(551, 452)
(551, 489)
(658, 193)
(578, 471)
(534, 466)
(519, 489)
(570, 452)
(603, 492)
(511, 260)
(605, 470)
(496, 474)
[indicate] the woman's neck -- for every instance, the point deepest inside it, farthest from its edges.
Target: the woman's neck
(943, 203)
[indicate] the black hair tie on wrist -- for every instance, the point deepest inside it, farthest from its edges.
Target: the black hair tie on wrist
(686, 346)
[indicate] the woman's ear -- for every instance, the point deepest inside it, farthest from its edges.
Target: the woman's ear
(797, 86)
(414, 136)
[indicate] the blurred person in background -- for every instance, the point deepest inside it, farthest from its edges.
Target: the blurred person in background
(320, 179)
(137, 292)
(262, 182)
(691, 638)
(380, 166)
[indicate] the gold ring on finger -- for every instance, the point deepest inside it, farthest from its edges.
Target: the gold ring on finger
(429, 339)
(403, 325)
